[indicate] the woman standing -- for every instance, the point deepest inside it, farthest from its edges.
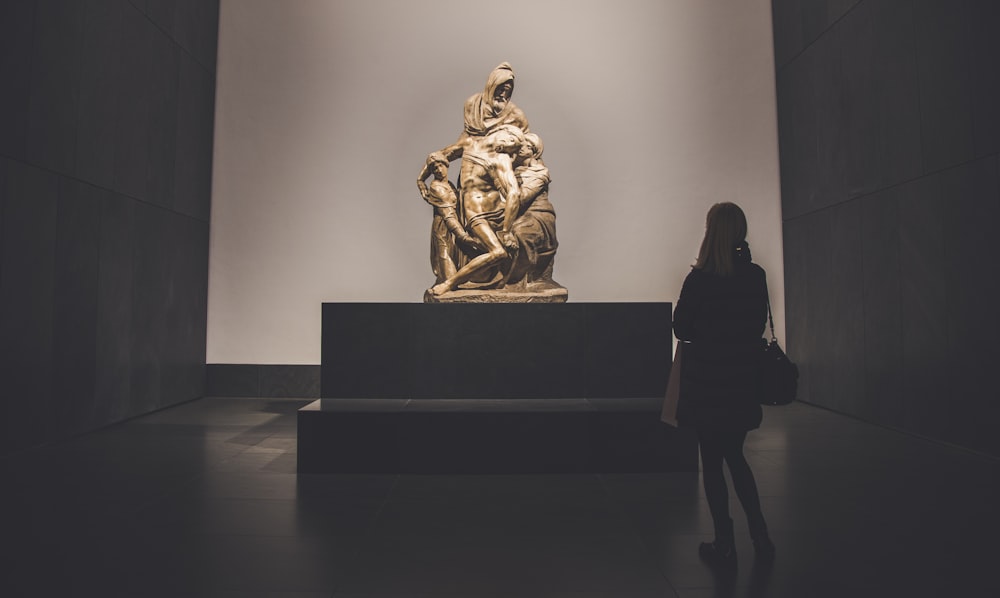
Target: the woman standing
(720, 316)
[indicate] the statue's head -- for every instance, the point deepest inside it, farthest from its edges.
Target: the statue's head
(503, 92)
(440, 169)
(507, 139)
(500, 86)
(535, 143)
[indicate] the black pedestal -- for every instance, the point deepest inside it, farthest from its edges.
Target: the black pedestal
(476, 351)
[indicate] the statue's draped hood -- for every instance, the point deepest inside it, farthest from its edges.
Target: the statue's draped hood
(479, 117)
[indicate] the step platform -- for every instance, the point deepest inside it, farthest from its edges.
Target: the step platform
(493, 388)
(483, 436)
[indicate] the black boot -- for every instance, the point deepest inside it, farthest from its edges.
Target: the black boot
(763, 547)
(721, 552)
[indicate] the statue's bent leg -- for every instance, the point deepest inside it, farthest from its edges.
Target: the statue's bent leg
(495, 253)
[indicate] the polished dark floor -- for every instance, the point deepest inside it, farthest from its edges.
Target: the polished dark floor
(203, 500)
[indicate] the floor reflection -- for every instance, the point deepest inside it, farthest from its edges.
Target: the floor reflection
(203, 499)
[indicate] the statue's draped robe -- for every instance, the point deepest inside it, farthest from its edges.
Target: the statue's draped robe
(535, 227)
(443, 195)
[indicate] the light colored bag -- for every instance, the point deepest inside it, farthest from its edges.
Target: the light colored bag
(669, 414)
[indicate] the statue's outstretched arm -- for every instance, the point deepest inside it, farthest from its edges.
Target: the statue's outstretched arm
(421, 180)
(450, 153)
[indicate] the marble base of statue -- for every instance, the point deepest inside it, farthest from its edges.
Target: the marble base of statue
(538, 292)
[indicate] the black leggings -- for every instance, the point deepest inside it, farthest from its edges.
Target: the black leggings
(718, 445)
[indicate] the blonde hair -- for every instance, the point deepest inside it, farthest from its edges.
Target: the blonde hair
(725, 228)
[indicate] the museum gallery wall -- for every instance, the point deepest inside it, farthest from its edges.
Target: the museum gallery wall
(890, 134)
(106, 118)
(889, 147)
(650, 112)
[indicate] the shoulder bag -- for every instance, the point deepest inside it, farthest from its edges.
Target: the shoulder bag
(779, 376)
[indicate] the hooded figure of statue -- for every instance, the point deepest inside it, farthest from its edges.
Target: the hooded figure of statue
(493, 107)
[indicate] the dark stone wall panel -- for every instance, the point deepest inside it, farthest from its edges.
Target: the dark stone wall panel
(160, 12)
(188, 320)
(807, 146)
(55, 85)
(795, 132)
(162, 119)
(829, 97)
(895, 89)
(4, 166)
(818, 353)
(168, 311)
(812, 99)
(862, 167)
(17, 21)
(152, 300)
(819, 15)
(848, 110)
(195, 127)
(899, 99)
(75, 307)
(196, 28)
(114, 315)
(972, 194)
(132, 123)
(845, 283)
(986, 438)
(100, 84)
(788, 42)
(924, 304)
(26, 304)
(798, 324)
(103, 281)
(824, 306)
(984, 22)
(883, 326)
(943, 59)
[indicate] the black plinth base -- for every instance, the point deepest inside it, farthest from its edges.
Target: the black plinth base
(487, 351)
(490, 436)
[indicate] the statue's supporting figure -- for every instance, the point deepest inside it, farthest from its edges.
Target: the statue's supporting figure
(493, 237)
(489, 198)
(444, 197)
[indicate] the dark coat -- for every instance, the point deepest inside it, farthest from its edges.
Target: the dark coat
(723, 317)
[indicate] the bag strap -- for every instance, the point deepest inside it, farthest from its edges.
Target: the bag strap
(770, 319)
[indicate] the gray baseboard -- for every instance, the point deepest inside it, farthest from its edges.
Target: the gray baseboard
(255, 380)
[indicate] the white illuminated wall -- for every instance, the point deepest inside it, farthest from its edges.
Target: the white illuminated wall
(650, 111)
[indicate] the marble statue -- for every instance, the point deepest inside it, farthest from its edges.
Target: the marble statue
(493, 236)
